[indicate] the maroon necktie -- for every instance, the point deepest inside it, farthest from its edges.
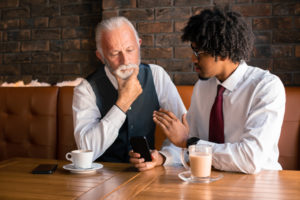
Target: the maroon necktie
(216, 121)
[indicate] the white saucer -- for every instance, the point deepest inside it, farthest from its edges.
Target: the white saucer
(186, 176)
(71, 168)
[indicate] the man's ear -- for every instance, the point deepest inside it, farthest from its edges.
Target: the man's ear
(140, 41)
(99, 56)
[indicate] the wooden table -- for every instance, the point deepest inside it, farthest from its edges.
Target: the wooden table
(121, 181)
(17, 182)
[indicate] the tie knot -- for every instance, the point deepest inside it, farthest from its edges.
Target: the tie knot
(221, 89)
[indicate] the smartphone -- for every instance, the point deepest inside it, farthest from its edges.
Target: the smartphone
(140, 145)
(44, 169)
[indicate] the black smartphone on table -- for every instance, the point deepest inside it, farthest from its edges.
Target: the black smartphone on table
(140, 145)
(44, 169)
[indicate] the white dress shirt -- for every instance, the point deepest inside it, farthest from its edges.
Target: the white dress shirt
(92, 133)
(253, 110)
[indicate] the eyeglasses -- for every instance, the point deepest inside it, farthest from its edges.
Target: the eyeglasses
(196, 51)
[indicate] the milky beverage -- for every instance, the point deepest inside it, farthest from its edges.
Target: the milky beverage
(200, 164)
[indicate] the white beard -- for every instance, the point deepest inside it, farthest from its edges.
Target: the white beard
(125, 71)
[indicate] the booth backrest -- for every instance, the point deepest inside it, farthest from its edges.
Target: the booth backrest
(37, 122)
(66, 141)
(28, 122)
(289, 143)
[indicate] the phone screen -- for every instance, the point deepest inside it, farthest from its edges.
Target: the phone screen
(140, 145)
(44, 169)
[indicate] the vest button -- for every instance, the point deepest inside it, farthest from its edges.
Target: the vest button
(131, 126)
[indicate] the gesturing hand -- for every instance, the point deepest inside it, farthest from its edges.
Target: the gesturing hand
(128, 90)
(173, 128)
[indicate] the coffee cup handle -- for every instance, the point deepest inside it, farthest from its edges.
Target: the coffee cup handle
(183, 152)
(69, 156)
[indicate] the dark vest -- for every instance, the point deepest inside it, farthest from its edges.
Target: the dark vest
(138, 121)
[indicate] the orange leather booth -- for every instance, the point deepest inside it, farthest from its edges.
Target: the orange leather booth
(37, 122)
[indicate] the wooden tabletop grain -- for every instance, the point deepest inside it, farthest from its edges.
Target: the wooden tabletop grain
(122, 181)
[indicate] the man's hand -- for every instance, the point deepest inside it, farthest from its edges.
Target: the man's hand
(141, 165)
(128, 90)
(173, 128)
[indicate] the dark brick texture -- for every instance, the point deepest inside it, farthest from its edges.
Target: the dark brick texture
(53, 40)
(275, 24)
(48, 40)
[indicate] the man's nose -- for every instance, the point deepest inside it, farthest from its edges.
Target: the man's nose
(124, 59)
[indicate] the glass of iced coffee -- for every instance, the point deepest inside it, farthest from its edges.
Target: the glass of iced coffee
(198, 160)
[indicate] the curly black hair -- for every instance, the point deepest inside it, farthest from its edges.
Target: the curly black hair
(220, 33)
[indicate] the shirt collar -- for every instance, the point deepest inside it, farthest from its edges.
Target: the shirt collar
(231, 82)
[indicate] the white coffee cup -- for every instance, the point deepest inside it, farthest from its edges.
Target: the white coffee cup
(81, 158)
(200, 160)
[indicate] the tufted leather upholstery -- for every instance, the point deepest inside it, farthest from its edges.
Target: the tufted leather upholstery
(28, 122)
(37, 122)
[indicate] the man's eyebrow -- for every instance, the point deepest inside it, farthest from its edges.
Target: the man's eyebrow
(114, 50)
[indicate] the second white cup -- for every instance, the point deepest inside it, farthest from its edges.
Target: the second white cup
(81, 158)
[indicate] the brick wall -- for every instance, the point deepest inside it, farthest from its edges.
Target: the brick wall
(48, 40)
(276, 24)
(53, 40)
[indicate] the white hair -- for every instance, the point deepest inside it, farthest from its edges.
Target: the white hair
(110, 25)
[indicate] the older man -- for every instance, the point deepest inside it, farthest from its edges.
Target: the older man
(117, 101)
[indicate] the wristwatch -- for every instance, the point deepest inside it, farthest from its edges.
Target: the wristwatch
(191, 141)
